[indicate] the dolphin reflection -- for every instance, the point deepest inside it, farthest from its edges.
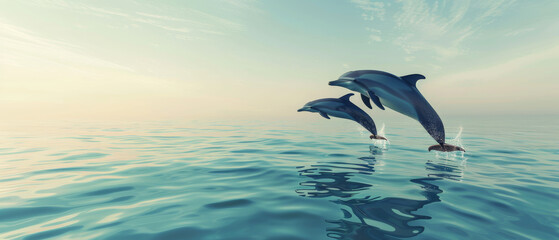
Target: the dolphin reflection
(371, 217)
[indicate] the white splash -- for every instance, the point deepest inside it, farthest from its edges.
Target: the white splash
(381, 131)
(378, 143)
(449, 165)
(456, 155)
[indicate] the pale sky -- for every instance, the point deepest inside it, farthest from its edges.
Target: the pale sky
(173, 60)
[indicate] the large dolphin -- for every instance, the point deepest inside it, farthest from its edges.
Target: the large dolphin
(399, 94)
(342, 108)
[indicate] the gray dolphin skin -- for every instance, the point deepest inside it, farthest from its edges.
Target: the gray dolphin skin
(399, 94)
(342, 108)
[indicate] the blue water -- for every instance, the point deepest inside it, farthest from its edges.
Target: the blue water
(321, 179)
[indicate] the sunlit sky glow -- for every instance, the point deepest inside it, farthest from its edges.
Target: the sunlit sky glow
(160, 60)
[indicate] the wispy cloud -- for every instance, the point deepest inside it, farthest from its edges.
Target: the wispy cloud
(371, 9)
(374, 35)
(177, 20)
(173, 29)
(216, 20)
(104, 11)
(519, 32)
(22, 48)
(520, 84)
(502, 72)
(440, 27)
(244, 5)
(161, 17)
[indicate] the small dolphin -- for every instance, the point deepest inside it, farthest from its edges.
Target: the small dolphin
(342, 108)
(399, 94)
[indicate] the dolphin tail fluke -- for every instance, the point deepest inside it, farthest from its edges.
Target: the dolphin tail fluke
(373, 136)
(446, 148)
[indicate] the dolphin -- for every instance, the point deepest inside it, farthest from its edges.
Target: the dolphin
(342, 108)
(399, 94)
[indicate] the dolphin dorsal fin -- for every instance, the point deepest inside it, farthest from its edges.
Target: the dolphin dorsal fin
(346, 97)
(412, 78)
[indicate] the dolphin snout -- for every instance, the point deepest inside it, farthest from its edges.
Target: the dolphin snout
(300, 110)
(339, 82)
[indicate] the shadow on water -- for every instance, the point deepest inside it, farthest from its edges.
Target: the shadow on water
(371, 217)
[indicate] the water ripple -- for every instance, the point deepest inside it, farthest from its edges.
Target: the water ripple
(275, 181)
(229, 204)
(14, 214)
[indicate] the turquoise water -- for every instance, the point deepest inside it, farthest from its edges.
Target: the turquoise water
(320, 179)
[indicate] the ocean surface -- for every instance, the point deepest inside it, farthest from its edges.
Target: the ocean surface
(321, 179)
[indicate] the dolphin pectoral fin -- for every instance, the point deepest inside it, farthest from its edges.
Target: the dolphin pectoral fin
(412, 78)
(324, 115)
(376, 100)
(446, 148)
(366, 101)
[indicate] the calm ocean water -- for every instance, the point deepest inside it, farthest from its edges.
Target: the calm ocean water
(320, 179)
